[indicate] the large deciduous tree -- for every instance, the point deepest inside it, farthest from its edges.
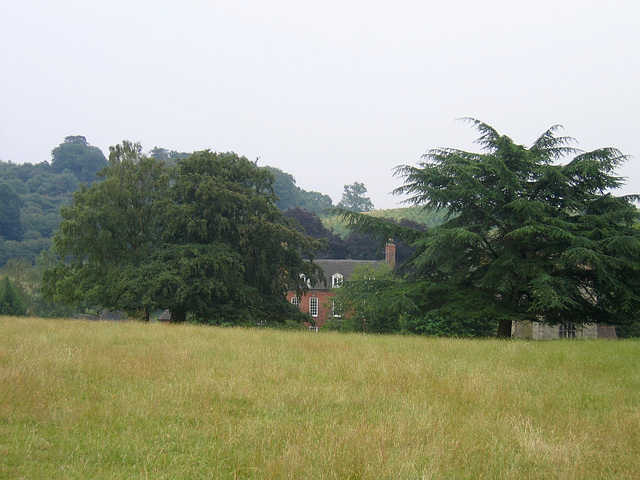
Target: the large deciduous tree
(203, 238)
(531, 234)
(230, 240)
(109, 233)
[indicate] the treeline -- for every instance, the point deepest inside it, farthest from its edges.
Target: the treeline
(32, 195)
(530, 234)
(203, 239)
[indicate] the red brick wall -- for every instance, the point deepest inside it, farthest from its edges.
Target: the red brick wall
(325, 303)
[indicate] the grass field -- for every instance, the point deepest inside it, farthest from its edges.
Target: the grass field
(98, 400)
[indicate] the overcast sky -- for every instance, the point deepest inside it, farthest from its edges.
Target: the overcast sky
(332, 92)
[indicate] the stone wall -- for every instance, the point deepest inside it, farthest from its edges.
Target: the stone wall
(541, 331)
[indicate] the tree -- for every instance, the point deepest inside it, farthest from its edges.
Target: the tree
(310, 224)
(353, 198)
(291, 196)
(26, 281)
(204, 238)
(285, 188)
(10, 223)
(76, 155)
(109, 233)
(10, 301)
(232, 254)
(168, 156)
(359, 300)
(315, 201)
(531, 234)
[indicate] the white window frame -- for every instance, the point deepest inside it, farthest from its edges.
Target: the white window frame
(313, 306)
(336, 309)
(304, 278)
(336, 280)
(295, 301)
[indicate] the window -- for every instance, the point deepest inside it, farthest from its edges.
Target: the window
(295, 301)
(336, 280)
(313, 306)
(336, 308)
(313, 328)
(567, 330)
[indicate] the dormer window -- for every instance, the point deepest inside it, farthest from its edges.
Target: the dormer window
(336, 280)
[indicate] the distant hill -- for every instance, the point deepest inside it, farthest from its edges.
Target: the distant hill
(414, 214)
(31, 196)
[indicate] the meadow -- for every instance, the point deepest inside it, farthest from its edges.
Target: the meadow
(102, 400)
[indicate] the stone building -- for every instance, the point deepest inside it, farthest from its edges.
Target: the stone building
(541, 331)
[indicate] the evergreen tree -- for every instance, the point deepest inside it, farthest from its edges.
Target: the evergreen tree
(10, 301)
(527, 237)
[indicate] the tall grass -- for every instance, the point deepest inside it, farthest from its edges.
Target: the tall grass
(130, 400)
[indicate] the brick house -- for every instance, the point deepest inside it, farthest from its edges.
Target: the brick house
(318, 301)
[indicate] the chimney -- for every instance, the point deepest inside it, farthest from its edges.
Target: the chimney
(390, 254)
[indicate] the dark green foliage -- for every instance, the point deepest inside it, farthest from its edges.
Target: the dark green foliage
(290, 196)
(628, 329)
(377, 301)
(77, 156)
(109, 232)
(10, 301)
(203, 239)
(355, 245)
(360, 305)
(527, 237)
(310, 224)
(226, 204)
(42, 189)
(10, 223)
(451, 325)
(26, 280)
(168, 156)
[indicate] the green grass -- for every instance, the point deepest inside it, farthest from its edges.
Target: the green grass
(101, 400)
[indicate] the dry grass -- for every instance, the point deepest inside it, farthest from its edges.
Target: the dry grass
(112, 400)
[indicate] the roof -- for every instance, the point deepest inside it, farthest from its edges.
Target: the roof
(342, 267)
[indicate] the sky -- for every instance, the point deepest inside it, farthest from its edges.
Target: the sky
(332, 92)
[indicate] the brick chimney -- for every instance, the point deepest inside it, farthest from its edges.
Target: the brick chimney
(390, 254)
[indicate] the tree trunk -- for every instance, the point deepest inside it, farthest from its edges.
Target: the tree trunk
(504, 328)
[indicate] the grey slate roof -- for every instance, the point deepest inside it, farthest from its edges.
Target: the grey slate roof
(343, 267)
